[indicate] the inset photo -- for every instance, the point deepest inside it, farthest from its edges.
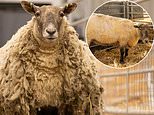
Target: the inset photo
(120, 33)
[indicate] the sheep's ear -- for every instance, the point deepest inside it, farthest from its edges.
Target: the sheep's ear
(29, 7)
(69, 8)
(140, 26)
(136, 26)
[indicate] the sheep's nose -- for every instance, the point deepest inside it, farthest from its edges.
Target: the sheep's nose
(51, 32)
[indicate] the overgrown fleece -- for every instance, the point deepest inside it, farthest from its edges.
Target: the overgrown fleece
(63, 76)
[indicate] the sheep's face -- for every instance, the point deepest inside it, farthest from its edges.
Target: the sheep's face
(145, 31)
(48, 18)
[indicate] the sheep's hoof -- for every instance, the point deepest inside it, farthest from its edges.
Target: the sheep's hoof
(126, 55)
(122, 62)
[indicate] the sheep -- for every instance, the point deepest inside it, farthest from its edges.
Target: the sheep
(105, 29)
(45, 65)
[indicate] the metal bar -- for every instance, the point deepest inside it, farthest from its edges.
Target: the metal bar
(125, 73)
(116, 5)
(132, 10)
(140, 21)
(134, 5)
(142, 17)
(140, 1)
(127, 9)
(116, 13)
(138, 13)
(124, 10)
(127, 90)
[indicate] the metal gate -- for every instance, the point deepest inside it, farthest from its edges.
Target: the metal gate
(129, 91)
(124, 9)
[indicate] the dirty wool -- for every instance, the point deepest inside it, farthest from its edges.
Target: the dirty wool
(63, 76)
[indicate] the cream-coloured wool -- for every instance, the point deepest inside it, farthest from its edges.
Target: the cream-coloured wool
(106, 29)
(32, 76)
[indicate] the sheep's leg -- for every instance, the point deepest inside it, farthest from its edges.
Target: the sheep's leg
(110, 48)
(126, 52)
(102, 47)
(122, 55)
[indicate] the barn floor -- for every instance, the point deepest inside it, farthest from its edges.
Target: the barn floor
(135, 55)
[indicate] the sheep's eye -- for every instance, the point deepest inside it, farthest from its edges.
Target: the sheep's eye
(140, 28)
(61, 13)
(37, 13)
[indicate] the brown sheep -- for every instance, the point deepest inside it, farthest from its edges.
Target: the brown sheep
(104, 29)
